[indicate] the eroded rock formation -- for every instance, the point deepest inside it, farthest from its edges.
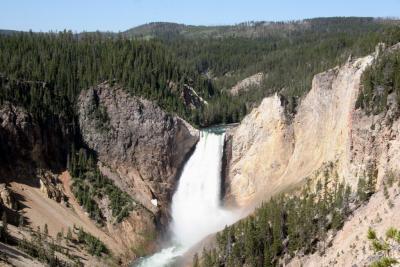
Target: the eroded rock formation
(6, 198)
(51, 186)
(271, 153)
(139, 146)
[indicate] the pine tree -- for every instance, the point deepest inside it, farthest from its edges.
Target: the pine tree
(46, 230)
(21, 221)
(4, 228)
(69, 234)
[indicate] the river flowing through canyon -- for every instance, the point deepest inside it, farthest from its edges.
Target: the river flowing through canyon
(196, 207)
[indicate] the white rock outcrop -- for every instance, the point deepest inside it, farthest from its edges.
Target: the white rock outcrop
(245, 84)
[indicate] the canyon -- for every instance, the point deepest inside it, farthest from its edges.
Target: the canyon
(145, 151)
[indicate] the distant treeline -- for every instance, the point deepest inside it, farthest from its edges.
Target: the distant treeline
(288, 54)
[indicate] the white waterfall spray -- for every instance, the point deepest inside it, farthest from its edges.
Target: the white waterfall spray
(196, 209)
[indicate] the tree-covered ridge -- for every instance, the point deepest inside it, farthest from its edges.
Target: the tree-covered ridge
(249, 29)
(90, 187)
(289, 54)
(379, 81)
(289, 224)
(40, 99)
(289, 58)
(67, 63)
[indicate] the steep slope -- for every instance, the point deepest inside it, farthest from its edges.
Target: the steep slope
(139, 146)
(24, 140)
(272, 152)
(331, 183)
(28, 143)
(350, 246)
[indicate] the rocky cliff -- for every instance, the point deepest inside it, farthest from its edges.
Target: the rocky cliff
(247, 83)
(272, 152)
(24, 142)
(139, 146)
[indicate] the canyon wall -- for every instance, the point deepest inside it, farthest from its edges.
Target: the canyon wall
(273, 152)
(24, 143)
(139, 146)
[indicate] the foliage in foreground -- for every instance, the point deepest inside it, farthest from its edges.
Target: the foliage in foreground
(385, 246)
(287, 225)
(89, 186)
(92, 244)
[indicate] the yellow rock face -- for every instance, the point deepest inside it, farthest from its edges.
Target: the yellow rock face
(272, 153)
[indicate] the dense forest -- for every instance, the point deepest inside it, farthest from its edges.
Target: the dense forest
(379, 81)
(290, 224)
(65, 64)
(60, 65)
(288, 56)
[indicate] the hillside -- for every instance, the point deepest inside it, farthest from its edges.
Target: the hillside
(288, 53)
(250, 29)
(321, 178)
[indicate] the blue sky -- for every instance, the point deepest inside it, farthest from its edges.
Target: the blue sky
(119, 15)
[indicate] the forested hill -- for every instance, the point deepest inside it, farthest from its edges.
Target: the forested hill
(289, 54)
(67, 64)
(253, 29)
(158, 60)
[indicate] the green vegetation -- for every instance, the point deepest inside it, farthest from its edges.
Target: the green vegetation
(45, 72)
(366, 185)
(289, 55)
(379, 81)
(384, 247)
(47, 250)
(64, 64)
(53, 68)
(40, 252)
(39, 247)
(43, 248)
(99, 115)
(290, 224)
(89, 186)
(46, 105)
(4, 236)
(249, 29)
(286, 225)
(93, 245)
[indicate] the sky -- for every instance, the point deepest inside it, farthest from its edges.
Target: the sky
(120, 15)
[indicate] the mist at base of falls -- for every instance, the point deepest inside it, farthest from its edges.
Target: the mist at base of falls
(196, 209)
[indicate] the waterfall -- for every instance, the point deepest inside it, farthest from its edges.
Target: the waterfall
(196, 210)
